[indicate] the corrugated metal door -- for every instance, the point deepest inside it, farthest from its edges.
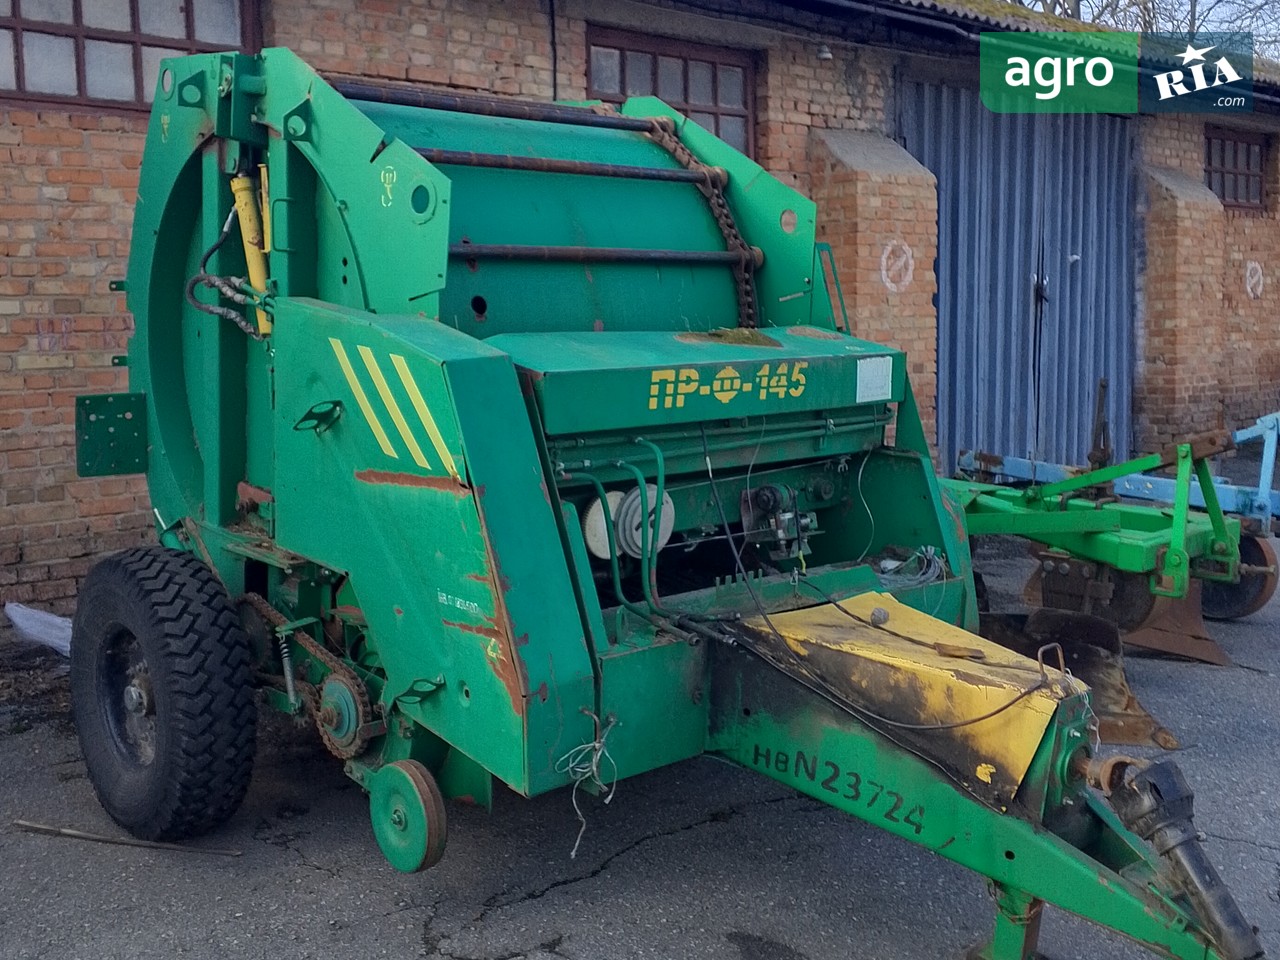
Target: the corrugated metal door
(1035, 272)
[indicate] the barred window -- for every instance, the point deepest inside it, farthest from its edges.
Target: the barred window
(108, 52)
(1234, 166)
(713, 86)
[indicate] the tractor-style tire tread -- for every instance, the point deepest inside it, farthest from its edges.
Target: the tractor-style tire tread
(196, 647)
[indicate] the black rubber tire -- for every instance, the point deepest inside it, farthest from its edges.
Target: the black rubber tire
(167, 610)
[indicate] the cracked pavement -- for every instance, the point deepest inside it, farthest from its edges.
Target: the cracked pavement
(697, 860)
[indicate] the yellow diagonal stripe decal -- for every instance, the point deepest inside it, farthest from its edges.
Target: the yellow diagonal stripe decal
(362, 400)
(393, 408)
(424, 414)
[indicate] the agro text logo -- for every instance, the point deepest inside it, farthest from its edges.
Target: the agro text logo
(1075, 72)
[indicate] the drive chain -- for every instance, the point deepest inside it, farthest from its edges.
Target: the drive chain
(311, 694)
(662, 132)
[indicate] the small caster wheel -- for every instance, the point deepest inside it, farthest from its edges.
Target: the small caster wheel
(407, 811)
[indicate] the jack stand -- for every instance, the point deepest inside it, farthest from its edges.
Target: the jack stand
(1017, 927)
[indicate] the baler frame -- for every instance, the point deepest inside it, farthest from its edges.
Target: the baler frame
(399, 496)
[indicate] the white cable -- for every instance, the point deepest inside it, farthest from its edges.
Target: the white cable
(867, 507)
(582, 763)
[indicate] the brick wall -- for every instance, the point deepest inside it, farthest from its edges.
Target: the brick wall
(801, 94)
(1251, 323)
(1181, 362)
(1174, 141)
(67, 185)
(505, 47)
(878, 207)
(496, 47)
(1209, 350)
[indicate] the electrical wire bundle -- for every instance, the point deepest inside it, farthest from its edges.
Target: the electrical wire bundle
(923, 567)
(798, 669)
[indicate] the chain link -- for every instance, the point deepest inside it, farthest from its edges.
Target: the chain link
(662, 132)
(338, 670)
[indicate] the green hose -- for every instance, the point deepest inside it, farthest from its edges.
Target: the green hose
(645, 543)
(613, 546)
(657, 508)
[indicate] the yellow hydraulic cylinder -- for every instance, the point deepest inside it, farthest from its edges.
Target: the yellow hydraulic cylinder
(245, 192)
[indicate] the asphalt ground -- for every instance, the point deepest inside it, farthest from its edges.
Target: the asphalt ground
(696, 860)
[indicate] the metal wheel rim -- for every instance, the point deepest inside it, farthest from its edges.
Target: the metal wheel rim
(408, 816)
(127, 696)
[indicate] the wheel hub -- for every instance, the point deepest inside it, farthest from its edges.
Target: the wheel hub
(129, 700)
(340, 716)
(1258, 579)
(137, 700)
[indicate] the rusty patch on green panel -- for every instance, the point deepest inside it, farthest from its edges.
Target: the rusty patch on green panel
(506, 665)
(391, 478)
(493, 633)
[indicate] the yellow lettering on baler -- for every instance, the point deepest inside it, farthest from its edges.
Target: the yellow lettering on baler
(361, 400)
(424, 413)
(688, 383)
(393, 408)
(662, 386)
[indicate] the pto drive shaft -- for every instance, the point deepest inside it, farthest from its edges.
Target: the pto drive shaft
(1156, 804)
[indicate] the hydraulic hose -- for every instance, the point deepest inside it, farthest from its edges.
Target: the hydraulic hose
(661, 484)
(613, 545)
(646, 583)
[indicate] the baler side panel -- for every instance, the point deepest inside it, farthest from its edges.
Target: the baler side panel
(344, 501)
(518, 510)
(420, 543)
(169, 201)
(393, 204)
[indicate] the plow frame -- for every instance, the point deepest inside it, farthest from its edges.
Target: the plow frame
(1258, 506)
(1169, 546)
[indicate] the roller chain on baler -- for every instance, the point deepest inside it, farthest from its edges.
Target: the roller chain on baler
(339, 671)
(663, 134)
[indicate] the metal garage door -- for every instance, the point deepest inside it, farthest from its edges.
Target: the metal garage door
(1035, 272)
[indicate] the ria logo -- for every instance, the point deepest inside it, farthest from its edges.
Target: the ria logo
(1174, 83)
(1116, 72)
